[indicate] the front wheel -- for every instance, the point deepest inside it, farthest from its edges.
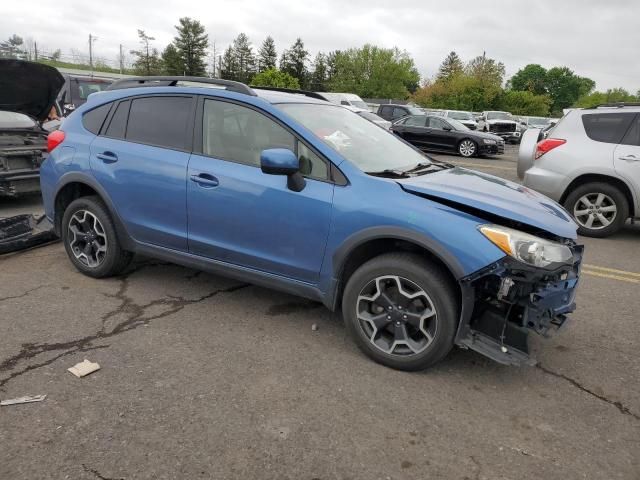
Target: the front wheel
(401, 310)
(599, 209)
(467, 148)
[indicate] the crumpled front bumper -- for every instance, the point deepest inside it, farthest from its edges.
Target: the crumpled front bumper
(507, 300)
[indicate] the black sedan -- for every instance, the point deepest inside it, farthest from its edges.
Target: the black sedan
(436, 133)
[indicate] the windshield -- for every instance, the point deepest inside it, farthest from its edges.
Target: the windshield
(460, 115)
(457, 125)
(539, 121)
(359, 104)
(499, 116)
(367, 146)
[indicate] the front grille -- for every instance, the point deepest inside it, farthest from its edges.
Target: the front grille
(502, 127)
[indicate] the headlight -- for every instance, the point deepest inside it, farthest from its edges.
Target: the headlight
(527, 248)
(488, 141)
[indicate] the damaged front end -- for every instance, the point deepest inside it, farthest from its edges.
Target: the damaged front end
(505, 301)
(21, 154)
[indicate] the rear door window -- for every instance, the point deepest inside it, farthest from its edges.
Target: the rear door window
(160, 121)
(118, 124)
(418, 121)
(632, 136)
(607, 127)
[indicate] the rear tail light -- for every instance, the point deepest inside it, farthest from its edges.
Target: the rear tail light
(547, 145)
(54, 139)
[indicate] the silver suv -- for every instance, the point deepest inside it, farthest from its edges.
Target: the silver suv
(590, 163)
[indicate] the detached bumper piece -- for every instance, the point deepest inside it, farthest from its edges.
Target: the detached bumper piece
(24, 231)
(508, 300)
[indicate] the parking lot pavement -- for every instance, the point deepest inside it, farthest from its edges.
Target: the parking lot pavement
(204, 377)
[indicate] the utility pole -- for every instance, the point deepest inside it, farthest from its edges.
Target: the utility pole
(214, 59)
(35, 51)
(121, 60)
(91, 40)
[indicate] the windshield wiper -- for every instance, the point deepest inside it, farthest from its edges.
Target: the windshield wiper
(389, 172)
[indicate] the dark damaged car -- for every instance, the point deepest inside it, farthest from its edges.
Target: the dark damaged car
(27, 93)
(293, 193)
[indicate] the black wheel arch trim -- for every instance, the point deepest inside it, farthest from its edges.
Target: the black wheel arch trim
(73, 177)
(348, 246)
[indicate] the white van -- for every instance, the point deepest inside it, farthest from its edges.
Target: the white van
(349, 99)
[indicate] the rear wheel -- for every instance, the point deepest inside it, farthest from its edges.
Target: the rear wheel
(467, 148)
(90, 239)
(401, 310)
(599, 209)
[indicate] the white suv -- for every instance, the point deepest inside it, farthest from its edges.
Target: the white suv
(589, 162)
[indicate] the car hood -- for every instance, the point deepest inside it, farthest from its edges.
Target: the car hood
(483, 192)
(479, 134)
(501, 121)
(28, 87)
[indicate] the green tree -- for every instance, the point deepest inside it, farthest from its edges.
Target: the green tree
(275, 78)
(229, 67)
(452, 66)
(525, 103)
(565, 88)
(147, 60)
(245, 59)
(12, 47)
(267, 55)
(532, 78)
(612, 95)
(294, 62)
(373, 72)
(191, 42)
(489, 74)
(171, 61)
(319, 75)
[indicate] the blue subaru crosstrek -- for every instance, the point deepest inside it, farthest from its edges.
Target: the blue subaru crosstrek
(285, 190)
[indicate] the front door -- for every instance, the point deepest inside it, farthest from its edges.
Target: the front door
(626, 157)
(141, 160)
(239, 215)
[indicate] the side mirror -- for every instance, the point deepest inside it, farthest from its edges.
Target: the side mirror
(282, 161)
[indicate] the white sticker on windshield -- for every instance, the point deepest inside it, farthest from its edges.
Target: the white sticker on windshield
(339, 140)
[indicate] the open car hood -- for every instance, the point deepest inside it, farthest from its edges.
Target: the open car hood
(486, 193)
(28, 87)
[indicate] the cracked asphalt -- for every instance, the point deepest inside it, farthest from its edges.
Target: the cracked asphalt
(206, 377)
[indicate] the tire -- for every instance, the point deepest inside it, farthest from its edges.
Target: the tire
(607, 201)
(416, 276)
(467, 148)
(87, 221)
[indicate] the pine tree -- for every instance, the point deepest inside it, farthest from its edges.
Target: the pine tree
(245, 59)
(191, 44)
(148, 59)
(229, 69)
(267, 56)
(451, 67)
(293, 61)
(171, 61)
(319, 75)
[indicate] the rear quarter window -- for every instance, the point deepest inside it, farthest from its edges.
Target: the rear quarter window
(93, 119)
(607, 127)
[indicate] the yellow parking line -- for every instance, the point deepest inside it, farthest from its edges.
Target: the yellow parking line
(480, 165)
(612, 277)
(612, 270)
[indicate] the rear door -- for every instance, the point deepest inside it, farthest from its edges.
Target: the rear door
(242, 216)
(141, 158)
(626, 157)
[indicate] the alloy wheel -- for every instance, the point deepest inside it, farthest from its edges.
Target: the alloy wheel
(87, 238)
(467, 148)
(396, 315)
(595, 211)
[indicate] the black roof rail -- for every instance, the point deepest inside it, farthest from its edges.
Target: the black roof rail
(162, 81)
(616, 105)
(306, 93)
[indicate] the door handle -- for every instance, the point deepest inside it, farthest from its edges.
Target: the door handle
(205, 180)
(630, 158)
(107, 157)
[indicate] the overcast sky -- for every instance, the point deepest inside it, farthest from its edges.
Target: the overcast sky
(595, 38)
